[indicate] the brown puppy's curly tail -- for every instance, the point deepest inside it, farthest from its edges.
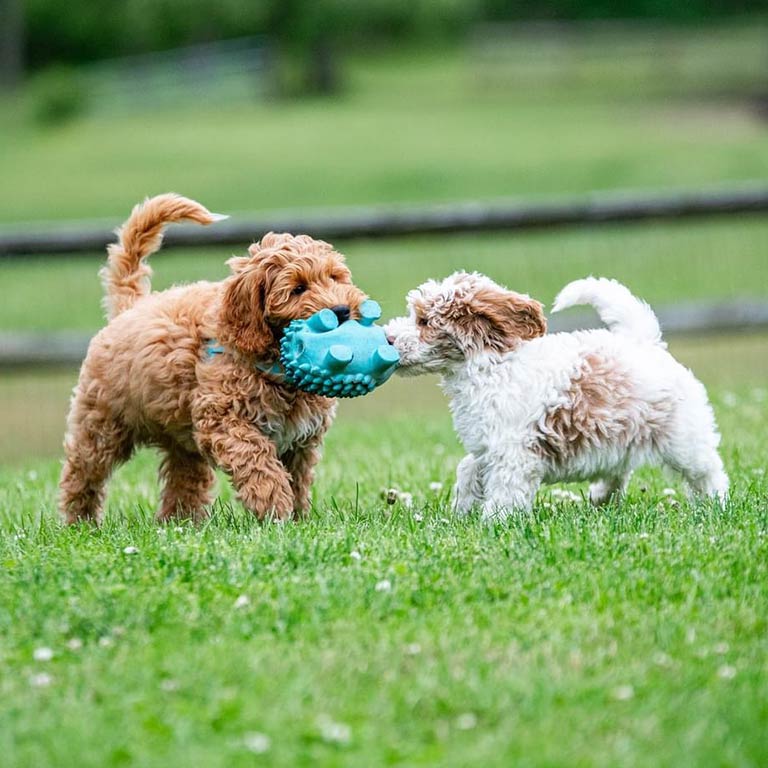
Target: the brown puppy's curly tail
(125, 276)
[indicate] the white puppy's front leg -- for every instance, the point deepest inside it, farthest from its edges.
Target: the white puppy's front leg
(468, 490)
(509, 487)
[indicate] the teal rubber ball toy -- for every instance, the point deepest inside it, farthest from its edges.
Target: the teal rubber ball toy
(324, 357)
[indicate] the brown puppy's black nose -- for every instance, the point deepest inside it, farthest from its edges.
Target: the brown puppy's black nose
(342, 312)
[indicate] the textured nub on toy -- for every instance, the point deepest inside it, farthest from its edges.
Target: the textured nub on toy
(333, 360)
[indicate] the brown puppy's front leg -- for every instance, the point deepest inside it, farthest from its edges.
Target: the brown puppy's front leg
(260, 479)
(300, 463)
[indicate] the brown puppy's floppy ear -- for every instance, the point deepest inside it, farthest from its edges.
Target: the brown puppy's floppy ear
(508, 317)
(242, 321)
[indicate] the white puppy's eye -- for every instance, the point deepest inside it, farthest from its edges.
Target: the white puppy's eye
(423, 321)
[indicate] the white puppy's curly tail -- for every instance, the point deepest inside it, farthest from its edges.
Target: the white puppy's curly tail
(622, 312)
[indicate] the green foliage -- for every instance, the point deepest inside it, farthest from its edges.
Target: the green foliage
(691, 10)
(93, 30)
(89, 31)
(56, 97)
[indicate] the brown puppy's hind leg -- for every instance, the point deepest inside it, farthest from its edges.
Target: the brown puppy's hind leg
(93, 447)
(187, 480)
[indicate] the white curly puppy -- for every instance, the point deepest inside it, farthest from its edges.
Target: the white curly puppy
(532, 408)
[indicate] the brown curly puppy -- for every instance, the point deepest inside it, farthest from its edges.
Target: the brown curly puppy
(148, 379)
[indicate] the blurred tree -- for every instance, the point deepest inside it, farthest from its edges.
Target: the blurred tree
(11, 43)
(309, 30)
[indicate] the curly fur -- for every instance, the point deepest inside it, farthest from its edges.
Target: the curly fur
(532, 408)
(147, 380)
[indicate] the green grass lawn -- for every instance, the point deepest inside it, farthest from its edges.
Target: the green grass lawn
(410, 127)
(376, 635)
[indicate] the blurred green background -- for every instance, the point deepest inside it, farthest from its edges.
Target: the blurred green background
(296, 105)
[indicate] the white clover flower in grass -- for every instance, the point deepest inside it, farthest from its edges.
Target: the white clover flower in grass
(74, 644)
(40, 680)
(130, 551)
(436, 487)
(393, 495)
(721, 648)
(390, 495)
(42, 654)
(256, 742)
(669, 492)
(355, 555)
(169, 685)
(726, 672)
(243, 601)
(730, 399)
(623, 693)
(333, 732)
(413, 649)
(466, 721)
(565, 494)
(418, 517)
(385, 585)
(106, 642)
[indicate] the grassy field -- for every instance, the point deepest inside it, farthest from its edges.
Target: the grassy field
(376, 635)
(410, 127)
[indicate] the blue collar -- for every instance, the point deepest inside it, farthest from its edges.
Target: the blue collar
(213, 348)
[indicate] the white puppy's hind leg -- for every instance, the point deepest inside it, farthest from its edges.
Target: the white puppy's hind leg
(712, 481)
(692, 447)
(468, 490)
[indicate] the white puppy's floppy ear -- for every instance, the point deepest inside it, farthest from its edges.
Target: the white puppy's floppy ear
(507, 318)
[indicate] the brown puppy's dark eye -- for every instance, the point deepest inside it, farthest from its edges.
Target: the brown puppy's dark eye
(298, 290)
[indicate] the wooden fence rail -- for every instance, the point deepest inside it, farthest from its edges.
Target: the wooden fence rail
(398, 222)
(36, 350)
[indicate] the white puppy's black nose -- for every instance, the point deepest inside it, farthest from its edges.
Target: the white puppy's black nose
(342, 312)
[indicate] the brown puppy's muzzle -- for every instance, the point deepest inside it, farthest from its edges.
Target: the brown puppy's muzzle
(343, 300)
